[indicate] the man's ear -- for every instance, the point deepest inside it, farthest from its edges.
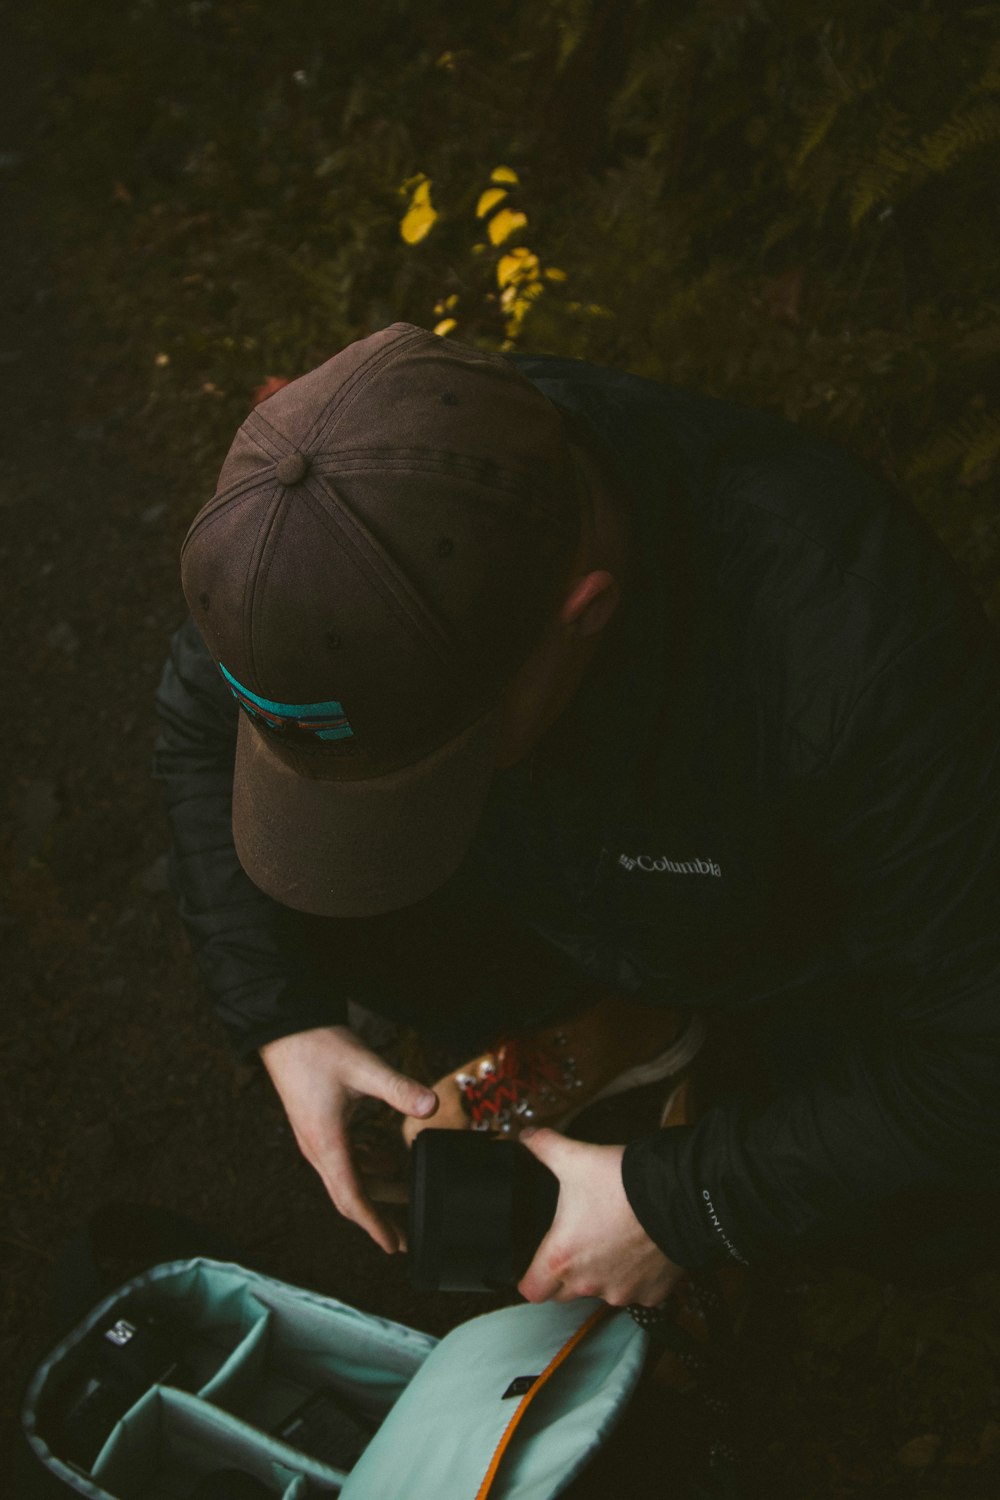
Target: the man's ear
(590, 604)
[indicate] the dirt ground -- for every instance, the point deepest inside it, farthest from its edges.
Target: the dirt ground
(117, 1084)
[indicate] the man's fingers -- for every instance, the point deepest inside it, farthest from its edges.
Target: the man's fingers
(541, 1286)
(540, 1281)
(374, 1077)
(336, 1169)
(356, 1207)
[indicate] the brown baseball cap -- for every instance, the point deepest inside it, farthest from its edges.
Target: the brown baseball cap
(378, 560)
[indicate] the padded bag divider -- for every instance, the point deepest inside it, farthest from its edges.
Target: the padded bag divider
(170, 1440)
(304, 1489)
(312, 1343)
(213, 1303)
(233, 1314)
(229, 1385)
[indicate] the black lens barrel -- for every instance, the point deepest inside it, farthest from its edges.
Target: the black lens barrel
(479, 1207)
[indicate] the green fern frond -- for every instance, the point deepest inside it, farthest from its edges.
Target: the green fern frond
(988, 81)
(967, 130)
(984, 446)
(571, 18)
(893, 160)
(890, 41)
(651, 72)
(818, 124)
(782, 227)
(975, 440)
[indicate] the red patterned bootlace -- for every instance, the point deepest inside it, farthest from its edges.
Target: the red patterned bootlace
(525, 1073)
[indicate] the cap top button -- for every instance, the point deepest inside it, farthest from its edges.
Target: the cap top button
(292, 468)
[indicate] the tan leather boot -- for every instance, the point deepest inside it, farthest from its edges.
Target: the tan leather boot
(547, 1076)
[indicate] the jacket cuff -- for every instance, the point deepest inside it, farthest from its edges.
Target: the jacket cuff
(248, 1043)
(282, 1010)
(681, 1214)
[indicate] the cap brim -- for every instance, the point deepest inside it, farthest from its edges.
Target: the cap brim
(359, 848)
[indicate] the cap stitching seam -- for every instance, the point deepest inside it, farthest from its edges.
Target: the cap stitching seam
(249, 600)
(368, 554)
(345, 392)
(348, 393)
(212, 518)
(211, 511)
(276, 519)
(392, 585)
(272, 450)
(407, 465)
(393, 352)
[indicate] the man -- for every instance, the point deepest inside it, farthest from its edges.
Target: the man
(556, 695)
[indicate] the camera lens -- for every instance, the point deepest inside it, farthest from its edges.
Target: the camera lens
(479, 1207)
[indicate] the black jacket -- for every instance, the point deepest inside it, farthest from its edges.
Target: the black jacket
(779, 788)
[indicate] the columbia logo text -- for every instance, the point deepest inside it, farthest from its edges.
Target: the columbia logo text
(660, 864)
(716, 1225)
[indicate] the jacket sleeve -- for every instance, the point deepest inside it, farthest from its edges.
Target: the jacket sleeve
(250, 949)
(909, 821)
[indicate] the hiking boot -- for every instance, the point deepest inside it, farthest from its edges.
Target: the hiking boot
(547, 1076)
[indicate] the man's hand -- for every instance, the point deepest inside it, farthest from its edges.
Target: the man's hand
(320, 1075)
(595, 1246)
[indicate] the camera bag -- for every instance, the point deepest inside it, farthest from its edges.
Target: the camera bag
(511, 1404)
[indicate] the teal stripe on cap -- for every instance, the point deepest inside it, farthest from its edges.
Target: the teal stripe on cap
(292, 710)
(342, 732)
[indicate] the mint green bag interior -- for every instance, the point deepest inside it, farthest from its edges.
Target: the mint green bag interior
(255, 1348)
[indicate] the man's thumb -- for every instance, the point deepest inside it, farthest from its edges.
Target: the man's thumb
(409, 1097)
(545, 1144)
(374, 1077)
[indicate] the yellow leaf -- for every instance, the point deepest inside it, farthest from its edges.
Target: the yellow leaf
(445, 326)
(517, 265)
(590, 309)
(522, 293)
(504, 174)
(417, 223)
(489, 200)
(446, 60)
(413, 182)
(504, 223)
(451, 301)
(421, 216)
(516, 317)
(554, 274)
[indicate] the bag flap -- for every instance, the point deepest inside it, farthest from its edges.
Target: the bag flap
(447, 1434)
